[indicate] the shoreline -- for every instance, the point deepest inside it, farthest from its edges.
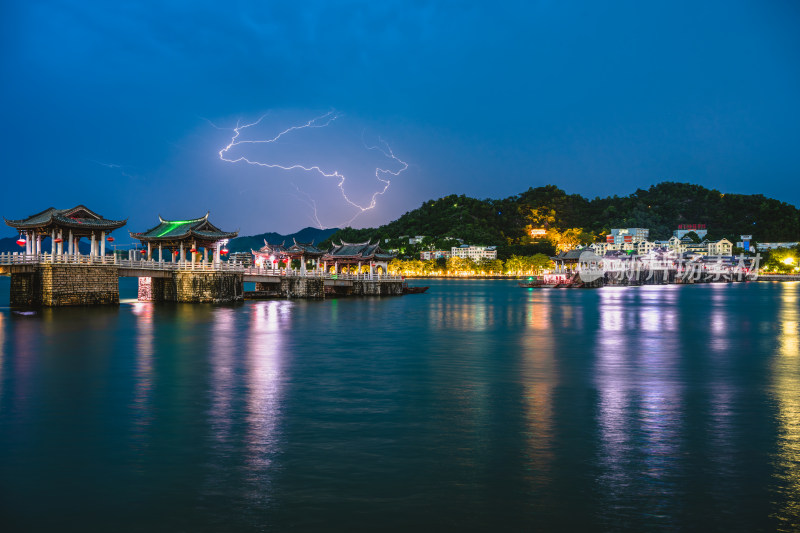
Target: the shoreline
(761, 277)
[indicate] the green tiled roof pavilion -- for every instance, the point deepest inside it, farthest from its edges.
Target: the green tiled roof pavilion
(197, 232)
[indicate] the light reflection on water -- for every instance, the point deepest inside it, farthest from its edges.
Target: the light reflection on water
(142, 403)
(786, 388)
(640, 404)
(474, 405)
(270, 322)
(540, 373)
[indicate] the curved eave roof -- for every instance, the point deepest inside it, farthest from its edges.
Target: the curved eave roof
(305, 251)
(66, 222)
(359, 257)
(178, 230)
(189, 234)
(364, 251)
(270, 249)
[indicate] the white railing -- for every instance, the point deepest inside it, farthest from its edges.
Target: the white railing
(14, 258)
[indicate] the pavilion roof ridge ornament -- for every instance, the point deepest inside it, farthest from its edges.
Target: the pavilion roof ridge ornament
(79, 207)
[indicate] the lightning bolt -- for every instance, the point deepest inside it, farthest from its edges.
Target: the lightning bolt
(383, 175)
(113, 166)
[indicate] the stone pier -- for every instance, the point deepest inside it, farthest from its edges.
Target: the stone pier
(313, 288)
(377, 288)
(193, 287)
(57, 285)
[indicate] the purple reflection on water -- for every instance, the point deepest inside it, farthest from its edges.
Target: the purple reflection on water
(640, 399)
(270, 324)
(143, 374)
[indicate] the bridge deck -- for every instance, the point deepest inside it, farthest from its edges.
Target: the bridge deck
(20, 263)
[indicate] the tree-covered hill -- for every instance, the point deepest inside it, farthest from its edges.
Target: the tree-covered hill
(661, 208)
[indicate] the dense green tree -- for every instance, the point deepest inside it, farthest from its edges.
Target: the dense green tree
(507, 223)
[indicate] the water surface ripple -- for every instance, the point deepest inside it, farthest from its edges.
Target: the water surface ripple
(477, 406)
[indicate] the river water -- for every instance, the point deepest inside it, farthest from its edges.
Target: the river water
(477, 406)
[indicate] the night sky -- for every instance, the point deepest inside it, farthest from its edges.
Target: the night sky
(125, 106)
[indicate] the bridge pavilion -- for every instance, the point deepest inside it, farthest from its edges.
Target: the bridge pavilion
(180, 236)
(66, 225)
(358, 254)
(270, 255)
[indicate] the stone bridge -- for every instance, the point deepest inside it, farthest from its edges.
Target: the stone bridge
(69, 279)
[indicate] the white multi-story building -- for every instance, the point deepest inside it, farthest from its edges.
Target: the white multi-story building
(433, 254)
(721, 247)
(471, 251)
(645, 247)
(620, 236)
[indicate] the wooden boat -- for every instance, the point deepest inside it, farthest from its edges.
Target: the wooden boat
(532, 283)
(413, 290)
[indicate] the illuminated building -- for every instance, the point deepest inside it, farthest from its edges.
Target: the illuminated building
(471, 251)
(357, 254)
(684, 229)
(433, 254)
(272, 255)
(180, 236)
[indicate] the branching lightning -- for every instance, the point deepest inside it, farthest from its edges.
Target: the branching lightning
(383, 175)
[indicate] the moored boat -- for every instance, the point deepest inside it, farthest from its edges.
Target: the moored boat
(413, 290)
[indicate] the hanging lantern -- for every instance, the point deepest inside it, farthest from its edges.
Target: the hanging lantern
(175, 252)
(21, 241)
(110, 239)
(193, 250)
(224, 251)
(144, 251)
(58, 240)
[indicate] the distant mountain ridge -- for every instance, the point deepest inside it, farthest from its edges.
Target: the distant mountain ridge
(254, 242)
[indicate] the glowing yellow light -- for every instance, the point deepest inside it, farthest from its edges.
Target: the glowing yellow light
(788, 261)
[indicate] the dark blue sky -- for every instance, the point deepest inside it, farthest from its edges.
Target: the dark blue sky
(126, 107)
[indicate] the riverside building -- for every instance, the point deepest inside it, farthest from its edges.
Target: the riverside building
(471, 251)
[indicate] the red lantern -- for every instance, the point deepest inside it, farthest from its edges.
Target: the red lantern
(144, 251)
(110, 239)
(224, 251)
(21, 241)
(175, 252)
(193, 250)
(58, 240)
